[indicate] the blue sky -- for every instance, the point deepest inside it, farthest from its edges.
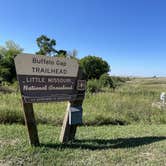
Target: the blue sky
(129, 34)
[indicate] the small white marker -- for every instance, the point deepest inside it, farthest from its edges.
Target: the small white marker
(162, 97)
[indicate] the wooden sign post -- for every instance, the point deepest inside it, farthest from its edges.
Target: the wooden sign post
(48, 79)
(68, 131)
(31, 123)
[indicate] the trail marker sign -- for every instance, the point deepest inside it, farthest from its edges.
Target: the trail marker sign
(44, 79)
(48, 79)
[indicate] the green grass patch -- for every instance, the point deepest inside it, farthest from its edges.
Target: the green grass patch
(99, 145)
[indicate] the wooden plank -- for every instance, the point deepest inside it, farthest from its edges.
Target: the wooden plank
(65, 131)
(31, 124)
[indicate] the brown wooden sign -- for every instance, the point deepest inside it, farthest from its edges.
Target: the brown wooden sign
(45, 79)
(48, 79)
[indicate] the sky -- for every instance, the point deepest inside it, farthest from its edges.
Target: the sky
(129, 34)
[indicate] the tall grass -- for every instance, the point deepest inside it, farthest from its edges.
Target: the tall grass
(129, 104)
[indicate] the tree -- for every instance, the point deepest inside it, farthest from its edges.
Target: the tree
(46, 45)
(94, 67)
(7, 67)
(61, 53)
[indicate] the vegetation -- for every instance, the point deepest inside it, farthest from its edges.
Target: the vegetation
(128, 104)
(107, 81)
(94, 67)
(93, 86)
(46, 45)
(7, 67)
(94, 146)
(142, 142)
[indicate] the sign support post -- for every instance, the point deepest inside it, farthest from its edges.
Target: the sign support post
(68, 131)
(31, 123)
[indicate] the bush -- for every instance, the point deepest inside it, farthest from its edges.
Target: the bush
(94, 66)
(119, 80)
(7, 67)
(106, 81)
(93, 86)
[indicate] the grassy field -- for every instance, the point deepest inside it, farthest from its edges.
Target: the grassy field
(94, 145)
(128, 104)
(138, 136)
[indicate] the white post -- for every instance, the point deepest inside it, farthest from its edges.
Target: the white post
(162, 98)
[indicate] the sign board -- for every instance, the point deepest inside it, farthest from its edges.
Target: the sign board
(44, 79)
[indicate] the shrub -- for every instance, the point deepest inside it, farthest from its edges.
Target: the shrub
(93, 86)
(7, 67)
(119, 80)
(106, 81)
